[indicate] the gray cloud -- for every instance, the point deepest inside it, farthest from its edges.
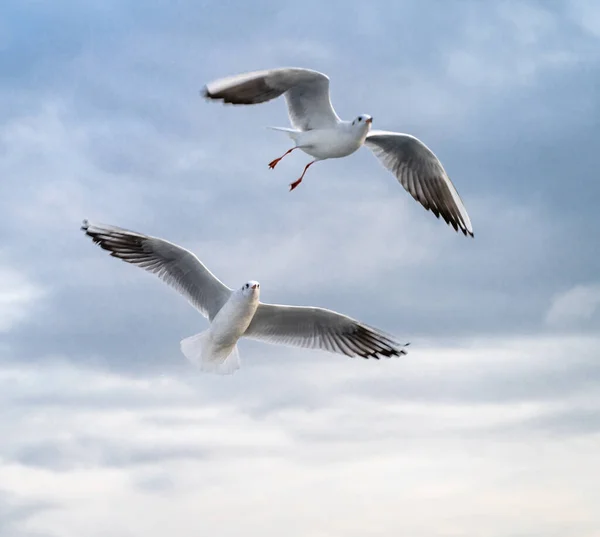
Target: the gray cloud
(14, 513)
(65, 456)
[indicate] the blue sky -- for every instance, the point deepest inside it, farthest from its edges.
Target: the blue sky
(489, 425)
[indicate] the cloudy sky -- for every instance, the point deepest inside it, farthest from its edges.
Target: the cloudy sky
(491, 424)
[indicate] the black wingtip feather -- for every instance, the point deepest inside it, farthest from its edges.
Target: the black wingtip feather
(377, 344)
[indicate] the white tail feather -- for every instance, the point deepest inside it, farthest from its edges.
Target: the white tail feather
(198, 349)
(292, 133)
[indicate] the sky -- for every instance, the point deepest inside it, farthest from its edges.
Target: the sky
(489, 426)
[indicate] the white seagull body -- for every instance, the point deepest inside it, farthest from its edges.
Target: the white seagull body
(318, 131)
(236, 313)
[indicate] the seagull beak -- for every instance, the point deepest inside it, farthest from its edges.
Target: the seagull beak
(254, 286)
(370, 120)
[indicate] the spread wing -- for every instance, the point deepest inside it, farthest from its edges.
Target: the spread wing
(306, 93)
(176, 266)
(318, 328)
(422, 174)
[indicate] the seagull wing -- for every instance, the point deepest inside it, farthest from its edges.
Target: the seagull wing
(306, 93)
(176, 266)
(422, 175)
(318, 328)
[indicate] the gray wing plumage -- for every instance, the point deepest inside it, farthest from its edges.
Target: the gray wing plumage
(422, 175)
(176, 266)
(318, 328)
(306, 93)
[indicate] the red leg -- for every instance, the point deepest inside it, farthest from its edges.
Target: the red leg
(298, 181)
(274, 163)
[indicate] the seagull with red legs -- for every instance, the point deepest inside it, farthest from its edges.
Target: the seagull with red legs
(318, 131)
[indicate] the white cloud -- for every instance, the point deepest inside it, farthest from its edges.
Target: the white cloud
(18, 297)
(575, 306)
(587, 14)
(58, 182)
(510, 48)
(171, 452)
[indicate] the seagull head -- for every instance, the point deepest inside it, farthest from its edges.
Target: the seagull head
(251, 288)
(363, 122)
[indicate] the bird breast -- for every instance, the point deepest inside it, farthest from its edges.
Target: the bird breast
(233, 319)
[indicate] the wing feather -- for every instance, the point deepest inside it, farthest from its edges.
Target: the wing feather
(319, 328)
(306, 93)
(176, 266)
(421, 173)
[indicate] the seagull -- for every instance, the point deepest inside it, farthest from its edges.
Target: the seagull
(236, 313)
(318, 131)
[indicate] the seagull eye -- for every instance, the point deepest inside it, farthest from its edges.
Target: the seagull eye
(360, 119)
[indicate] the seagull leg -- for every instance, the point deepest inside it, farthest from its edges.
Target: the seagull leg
(274, 163)
(298, 181)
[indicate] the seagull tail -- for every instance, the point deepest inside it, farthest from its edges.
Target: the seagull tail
(292, 133)
(201, 352)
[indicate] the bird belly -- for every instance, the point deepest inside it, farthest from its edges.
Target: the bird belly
(232, 321)
(324, 144)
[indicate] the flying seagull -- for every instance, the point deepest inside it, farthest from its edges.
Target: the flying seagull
(318, 131)
(236, 313)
